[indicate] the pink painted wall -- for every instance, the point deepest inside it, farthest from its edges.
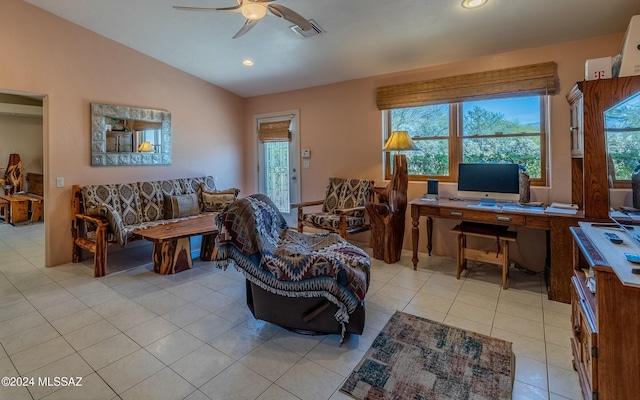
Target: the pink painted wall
(73, 67)
(342, 127)
(212, 128)
(23, 135)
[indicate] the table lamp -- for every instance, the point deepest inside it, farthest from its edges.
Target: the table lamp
(399, 141)
(145, 147)
(387, 216)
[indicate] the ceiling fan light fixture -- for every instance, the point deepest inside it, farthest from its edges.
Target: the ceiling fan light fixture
(253, 11)
(473, 3)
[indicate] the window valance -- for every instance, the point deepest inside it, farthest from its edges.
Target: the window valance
(274, 131)
(535, 79)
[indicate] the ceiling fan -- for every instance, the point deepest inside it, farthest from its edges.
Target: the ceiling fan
(254, 11)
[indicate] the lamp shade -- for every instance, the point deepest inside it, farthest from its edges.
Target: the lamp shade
(399, 140)
(145, 146)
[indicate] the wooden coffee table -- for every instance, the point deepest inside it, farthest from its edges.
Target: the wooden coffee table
(171, 244)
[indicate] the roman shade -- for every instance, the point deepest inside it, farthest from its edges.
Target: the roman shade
(274, 131)
(535, 79)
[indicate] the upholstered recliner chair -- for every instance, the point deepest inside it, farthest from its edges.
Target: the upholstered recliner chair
(308, 283)
(343, 208)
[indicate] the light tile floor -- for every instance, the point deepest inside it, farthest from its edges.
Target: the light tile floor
(137, 335)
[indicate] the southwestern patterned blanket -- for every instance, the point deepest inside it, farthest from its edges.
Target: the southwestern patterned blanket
(255, 237)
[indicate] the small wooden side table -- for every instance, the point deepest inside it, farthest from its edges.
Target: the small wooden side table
(18, 207)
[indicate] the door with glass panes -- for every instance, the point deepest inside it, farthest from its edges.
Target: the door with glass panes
(278, 160)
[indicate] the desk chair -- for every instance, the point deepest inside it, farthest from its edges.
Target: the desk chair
(500, 257)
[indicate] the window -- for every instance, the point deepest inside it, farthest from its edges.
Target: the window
(152, 136)
(489, 116)
(504, 130)
(277, 176)
(429, 127)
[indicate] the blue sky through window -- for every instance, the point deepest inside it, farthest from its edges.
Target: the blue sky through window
(525, 110)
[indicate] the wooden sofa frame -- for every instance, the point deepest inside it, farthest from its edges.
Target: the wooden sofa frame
(100, 243)
(98, 246)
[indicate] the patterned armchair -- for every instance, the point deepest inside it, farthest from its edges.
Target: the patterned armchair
(343, 208)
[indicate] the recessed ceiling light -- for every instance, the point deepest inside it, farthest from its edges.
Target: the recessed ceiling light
(247, 62)
(473, 3)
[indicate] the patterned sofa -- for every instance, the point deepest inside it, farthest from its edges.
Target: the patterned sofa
(112, 213)
(310, 283)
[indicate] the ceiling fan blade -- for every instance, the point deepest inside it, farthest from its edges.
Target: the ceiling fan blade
(289, 15)
(206, 9)
(246, 28)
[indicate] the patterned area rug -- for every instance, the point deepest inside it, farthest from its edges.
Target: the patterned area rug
(415, 358)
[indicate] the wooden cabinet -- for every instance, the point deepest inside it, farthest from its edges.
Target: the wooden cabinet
(606, 324)
(576, 130)
(585, 339)
(575, 99)
(18, 208)
(119, 141)
(588, 101)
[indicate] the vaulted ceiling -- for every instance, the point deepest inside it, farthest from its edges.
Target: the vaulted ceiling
(362, 37)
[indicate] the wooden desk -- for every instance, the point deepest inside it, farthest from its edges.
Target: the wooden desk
(559, 240)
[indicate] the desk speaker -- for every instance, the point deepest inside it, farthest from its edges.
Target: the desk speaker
(432, 186)
(432, 189)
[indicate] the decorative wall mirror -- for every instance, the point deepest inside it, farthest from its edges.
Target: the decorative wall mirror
(122, 135)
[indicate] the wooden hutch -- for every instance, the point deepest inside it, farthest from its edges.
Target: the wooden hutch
(588, 101)
(606, 324)
(606, 321)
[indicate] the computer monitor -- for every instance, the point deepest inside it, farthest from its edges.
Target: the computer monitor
(489, 182)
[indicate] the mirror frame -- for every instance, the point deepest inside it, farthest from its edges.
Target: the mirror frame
(99, 154)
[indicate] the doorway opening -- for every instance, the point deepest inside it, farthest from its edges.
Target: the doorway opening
(22, 163)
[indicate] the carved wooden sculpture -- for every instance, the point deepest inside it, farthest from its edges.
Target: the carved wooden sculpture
(388, 214)
(15, 174)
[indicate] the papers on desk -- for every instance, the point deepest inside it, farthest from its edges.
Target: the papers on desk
(521, 208)
(562, 208)
(634, 216)
(566, 206)
(618, 214)
(557, 210)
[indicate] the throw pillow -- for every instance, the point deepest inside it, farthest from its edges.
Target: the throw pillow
(184, 205)
(214, 201)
